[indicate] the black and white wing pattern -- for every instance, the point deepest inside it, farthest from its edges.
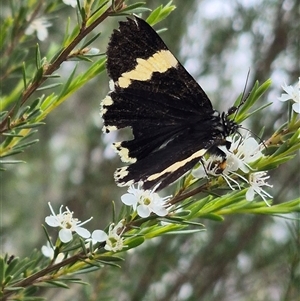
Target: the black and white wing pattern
(171, 117)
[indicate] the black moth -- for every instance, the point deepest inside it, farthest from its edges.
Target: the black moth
(171, 117)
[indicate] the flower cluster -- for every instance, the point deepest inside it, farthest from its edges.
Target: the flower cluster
(114, 241)
(241, 153)
(292, 93)
(145, 201)
(40, 25)
(68, 225)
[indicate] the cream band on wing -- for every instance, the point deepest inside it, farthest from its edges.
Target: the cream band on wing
(160, 62)
(177, 165)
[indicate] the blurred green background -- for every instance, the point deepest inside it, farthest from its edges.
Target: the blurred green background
(245, 257)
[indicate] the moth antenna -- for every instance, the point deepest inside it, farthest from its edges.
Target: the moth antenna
(255, 135)
(243, 98)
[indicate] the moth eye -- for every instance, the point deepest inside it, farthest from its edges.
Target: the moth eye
(228, 144)
(231, 110)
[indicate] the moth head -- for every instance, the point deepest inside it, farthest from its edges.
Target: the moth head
(229, 125)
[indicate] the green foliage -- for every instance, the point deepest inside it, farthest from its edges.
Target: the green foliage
(34, 88)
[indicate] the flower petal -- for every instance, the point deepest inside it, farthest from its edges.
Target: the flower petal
(160, 211)
(83, 232)
(284, 97)
(65, 235)
(143, 211)
(99, 236)
(48, 251)
(129, 199)
(250, 194)
(296, 107)
(52, 221)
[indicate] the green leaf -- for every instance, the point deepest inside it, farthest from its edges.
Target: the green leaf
(30, 125)
(34, 114)
(2, 269)
(68, 83)
(10, 153)
(96, 266)
(82, 58)
(52, 283)
(11, 161)
(89, 42)
(24, 145)
(14, 288)
(183, 221)
(38, 57)
(213, 217)
(135, 8)
(3, 114)
(23, 111)
(7, 141)
(256, 92)
(160, 230)
(182, 213)
(12, 134)
(133, 242)
(24, 75)
(107, 258)
(51, 86)
(22, 266)
(13, 96)
(160, 13)
(185, 232)
(110, 263)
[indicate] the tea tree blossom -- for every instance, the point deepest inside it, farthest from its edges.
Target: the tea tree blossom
(292, 93)
(256, 181)
(240, 154)
(72, 3)
(67, 223)
(39, 26)
(238, 157)
(244, 151)
(48, 251)
(114, 240)
(145, 201)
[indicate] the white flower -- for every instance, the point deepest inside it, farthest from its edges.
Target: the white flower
(244, 152)
(48, 251)
(145, 201)
(114, 241)
(72, 3)
(292, 93)
(240, 154)
(67, 223)
(216, 166)
(256, 181)
(39, 26)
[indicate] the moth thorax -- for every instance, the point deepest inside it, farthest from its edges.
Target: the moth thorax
(229, 126)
